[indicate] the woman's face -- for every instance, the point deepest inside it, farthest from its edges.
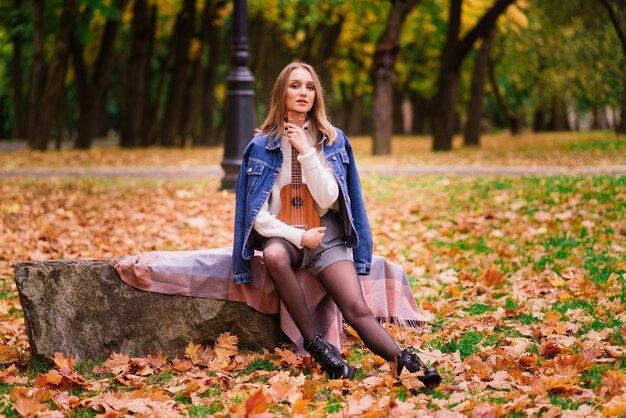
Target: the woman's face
(300, 91)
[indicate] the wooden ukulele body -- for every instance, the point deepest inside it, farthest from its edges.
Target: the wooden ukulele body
(298, 209)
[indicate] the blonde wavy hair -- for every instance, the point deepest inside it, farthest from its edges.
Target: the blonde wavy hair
(278, 109)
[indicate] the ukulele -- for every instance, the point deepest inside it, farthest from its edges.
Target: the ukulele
(297, 203)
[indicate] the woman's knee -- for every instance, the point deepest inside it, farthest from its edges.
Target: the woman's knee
(276, 256)
(357, 311)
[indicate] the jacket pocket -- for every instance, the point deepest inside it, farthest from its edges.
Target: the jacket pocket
(344, 157)
(254, 173)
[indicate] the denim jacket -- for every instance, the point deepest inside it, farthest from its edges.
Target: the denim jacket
(260, 165)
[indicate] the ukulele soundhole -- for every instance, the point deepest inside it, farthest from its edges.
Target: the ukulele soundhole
(297, 202)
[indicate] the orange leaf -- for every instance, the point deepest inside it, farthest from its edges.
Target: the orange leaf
(226, 345)
(63, 362)
(118, 363)
(157, 361)
(616, 407)
(288, 357)
(8, 354)
(53, 377)
(551, 348)
(28, 406)
(492, 277)
(299, 406)
(257, 403)
(571, 365)
(612, 383)
(181, 365)
(192, 351)
(555, 385)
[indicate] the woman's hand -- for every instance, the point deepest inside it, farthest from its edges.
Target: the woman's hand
(313, 237)
(297, 138)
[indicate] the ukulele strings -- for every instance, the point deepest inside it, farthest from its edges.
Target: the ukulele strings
(296, 205)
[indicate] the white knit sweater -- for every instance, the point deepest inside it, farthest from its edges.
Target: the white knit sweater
(317, 174)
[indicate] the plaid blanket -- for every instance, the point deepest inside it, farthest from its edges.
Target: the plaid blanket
(208, 274)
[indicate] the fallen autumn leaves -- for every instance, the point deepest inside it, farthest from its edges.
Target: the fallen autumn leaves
(525, 276)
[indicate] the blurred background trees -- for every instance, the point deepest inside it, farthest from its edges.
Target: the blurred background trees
(152, 72)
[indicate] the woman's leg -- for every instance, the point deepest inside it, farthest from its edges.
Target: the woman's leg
(342, 284)
(282, 259)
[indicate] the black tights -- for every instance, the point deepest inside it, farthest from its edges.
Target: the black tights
(341, 283)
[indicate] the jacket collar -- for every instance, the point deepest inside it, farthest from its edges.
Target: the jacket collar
(273, 142)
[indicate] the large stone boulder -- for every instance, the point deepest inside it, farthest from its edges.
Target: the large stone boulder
(84, 309)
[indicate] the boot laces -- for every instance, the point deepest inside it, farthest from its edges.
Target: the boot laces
(412, 362)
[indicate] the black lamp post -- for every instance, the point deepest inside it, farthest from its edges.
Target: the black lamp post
(240, 120)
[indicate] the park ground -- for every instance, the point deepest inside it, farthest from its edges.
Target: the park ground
(525, 274)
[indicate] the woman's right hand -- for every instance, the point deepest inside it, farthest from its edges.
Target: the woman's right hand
(313, 237)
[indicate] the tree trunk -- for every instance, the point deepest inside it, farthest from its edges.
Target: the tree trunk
(19, 129)
(421, 114)
(37, 70)
(193, 124)
(477, 91)
(383, 75)
(620, 128)
(94, 101)
(617, 14)
(512, 118)
(397, 116)
(172, 118)
(136, 89)
(55, 78)
(209, 135)
(454, 52)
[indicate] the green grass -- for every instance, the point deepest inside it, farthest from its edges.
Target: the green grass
(436, 224)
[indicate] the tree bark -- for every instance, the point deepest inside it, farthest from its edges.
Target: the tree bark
(621, 126)
(172, 119)
(209, 136)
(454, 51)
(18, 127)
(93, 101)
(421, 114)
(617, 14)
(136, 89)
(194, 122)
(477, 91)
(55, 78)
(511, 117)
(383, 75)
(38, 69)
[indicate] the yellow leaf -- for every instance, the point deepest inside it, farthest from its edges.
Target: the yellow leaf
(553, 316)
(226, 346)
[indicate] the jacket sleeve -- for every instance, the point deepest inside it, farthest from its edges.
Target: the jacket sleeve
(269, 226)
(241, 267)
(362, 254)
(320, 179)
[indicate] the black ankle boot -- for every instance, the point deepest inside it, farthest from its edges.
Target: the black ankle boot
(413, 364)
(329, 357)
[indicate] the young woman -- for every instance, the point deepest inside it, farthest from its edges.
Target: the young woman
(339, 248)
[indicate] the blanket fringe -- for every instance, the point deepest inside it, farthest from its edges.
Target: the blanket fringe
(403, 323)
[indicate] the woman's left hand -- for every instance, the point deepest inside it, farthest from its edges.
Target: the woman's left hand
(297, 138)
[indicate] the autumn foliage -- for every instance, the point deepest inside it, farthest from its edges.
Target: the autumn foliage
(525, 276)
